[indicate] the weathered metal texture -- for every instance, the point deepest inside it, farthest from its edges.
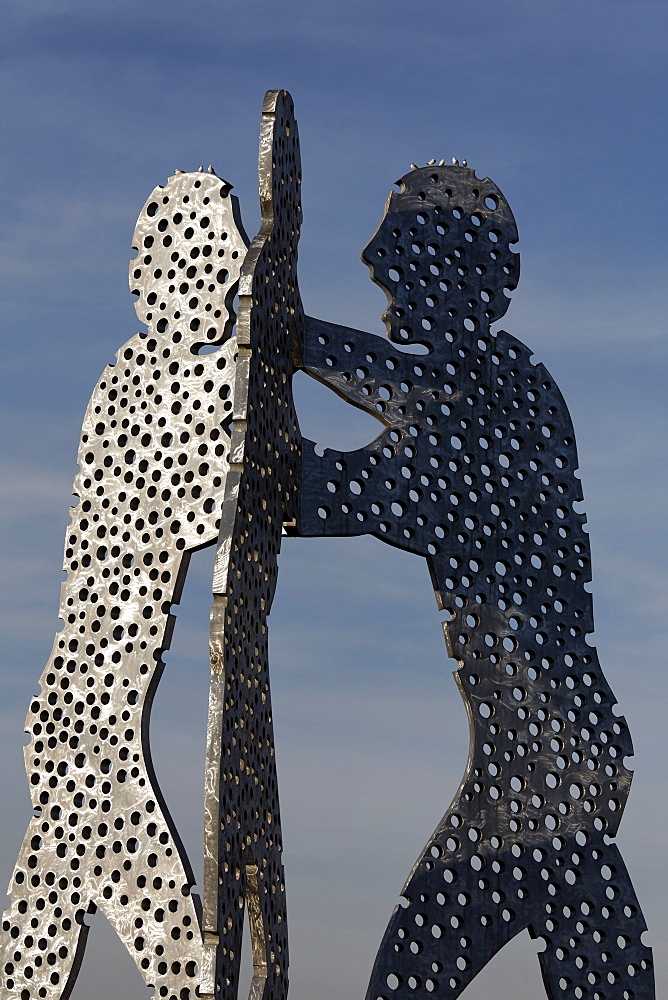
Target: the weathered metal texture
(153, 462)
(243, 835)
(170, 439)
(476, 469)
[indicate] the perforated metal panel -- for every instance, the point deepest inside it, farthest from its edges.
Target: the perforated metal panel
(475, 468)
(260, 495)
(156, 472)
(153, 461)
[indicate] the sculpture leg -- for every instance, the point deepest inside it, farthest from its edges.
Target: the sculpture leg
(593, 934)
(244, 893)
(251, 879)
(452, 923)
(46, 922)
(138, 880)
(231, 922)
(143, 926)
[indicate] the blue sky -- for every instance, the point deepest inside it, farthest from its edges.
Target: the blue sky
(560, 103)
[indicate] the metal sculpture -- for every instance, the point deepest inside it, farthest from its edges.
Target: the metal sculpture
(242, 831)
(154, 459)
(474, 469)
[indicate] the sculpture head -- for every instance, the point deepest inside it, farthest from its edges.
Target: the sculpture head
(442, 254)
(191, 246)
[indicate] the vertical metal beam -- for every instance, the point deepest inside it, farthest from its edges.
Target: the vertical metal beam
(260, 495)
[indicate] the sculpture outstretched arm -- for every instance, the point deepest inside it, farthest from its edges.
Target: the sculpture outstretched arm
(362, 368)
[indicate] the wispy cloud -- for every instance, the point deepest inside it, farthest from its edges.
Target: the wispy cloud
(558, 102)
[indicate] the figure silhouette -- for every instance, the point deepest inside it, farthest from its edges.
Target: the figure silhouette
(475, 469)
(153, 461)
(189, 439)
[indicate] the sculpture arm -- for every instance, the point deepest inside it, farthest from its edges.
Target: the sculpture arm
(360, 367)
(368, 372)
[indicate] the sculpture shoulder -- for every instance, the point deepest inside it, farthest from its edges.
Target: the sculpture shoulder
(515, 367)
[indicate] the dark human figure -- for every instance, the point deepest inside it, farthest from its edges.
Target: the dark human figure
(476, 469)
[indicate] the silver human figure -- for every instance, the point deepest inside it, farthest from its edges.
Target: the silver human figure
(179, 450)
(475, 470)
(153, 462)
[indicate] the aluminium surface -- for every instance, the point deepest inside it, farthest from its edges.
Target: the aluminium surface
(154, 459)
(474, 469)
